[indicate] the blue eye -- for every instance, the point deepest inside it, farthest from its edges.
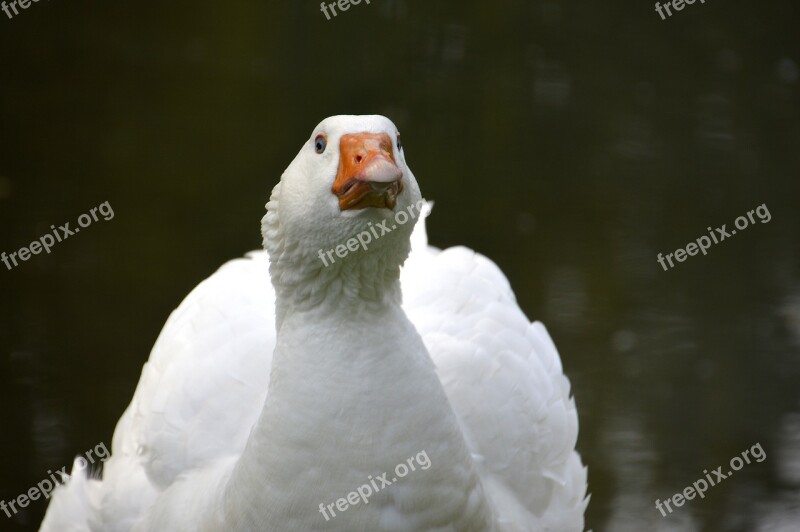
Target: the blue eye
(320, 143)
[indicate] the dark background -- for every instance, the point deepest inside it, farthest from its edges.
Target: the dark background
(569, 142)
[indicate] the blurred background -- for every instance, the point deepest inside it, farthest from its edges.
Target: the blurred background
(570, 142)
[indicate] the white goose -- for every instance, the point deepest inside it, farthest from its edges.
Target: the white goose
(234, 427)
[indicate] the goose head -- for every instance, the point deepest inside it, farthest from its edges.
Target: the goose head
(348, 184)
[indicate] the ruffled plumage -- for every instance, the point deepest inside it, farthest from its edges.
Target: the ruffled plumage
(203, 391)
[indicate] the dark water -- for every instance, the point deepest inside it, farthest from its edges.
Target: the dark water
(569, 142)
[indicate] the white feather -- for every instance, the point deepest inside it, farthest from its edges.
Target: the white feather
(202, 400)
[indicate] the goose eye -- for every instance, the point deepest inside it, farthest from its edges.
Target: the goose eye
(320, 143)
(399, 144)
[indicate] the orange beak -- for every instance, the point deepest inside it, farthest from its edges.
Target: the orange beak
(368, 175)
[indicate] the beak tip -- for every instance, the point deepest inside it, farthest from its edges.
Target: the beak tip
(380, 171)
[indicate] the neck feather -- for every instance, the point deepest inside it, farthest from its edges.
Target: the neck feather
(362, 377)
(303, 281)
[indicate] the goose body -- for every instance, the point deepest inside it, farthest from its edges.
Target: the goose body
(265, 404)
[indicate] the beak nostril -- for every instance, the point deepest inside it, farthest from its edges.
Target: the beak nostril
(359, 158)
